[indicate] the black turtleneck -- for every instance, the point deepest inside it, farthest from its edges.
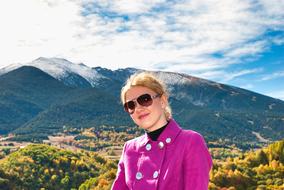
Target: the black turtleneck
(154, 135)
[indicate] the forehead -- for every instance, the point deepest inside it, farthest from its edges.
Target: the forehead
(136, 91)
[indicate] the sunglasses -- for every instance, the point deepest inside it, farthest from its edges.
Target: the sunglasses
(143, 100)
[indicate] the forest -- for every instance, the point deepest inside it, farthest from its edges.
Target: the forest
(261, 169)
(42, 166)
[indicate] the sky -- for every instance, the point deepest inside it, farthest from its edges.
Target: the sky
(235, 42)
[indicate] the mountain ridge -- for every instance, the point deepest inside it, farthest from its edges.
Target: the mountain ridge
(231, 113)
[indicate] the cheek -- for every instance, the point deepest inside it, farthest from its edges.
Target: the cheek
(158, 106)
(134, 117)
(157, 110)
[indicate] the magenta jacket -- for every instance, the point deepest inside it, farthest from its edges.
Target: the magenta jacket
(178, 160)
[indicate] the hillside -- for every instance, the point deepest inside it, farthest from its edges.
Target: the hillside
(82, 109)
(42, 166)
(260, 169)
(24, 93)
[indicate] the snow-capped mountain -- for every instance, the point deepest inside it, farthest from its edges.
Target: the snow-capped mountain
(69, 73)
(197, 91)
(175, 78)
(80, 75)
(10, 68)
(34, 101)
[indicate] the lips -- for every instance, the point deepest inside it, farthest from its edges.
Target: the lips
(142, 116)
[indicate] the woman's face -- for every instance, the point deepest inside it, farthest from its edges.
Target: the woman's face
(150, 117)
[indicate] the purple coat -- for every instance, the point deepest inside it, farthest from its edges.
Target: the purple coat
(178, 160)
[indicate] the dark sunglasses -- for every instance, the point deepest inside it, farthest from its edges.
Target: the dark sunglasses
(143, 100)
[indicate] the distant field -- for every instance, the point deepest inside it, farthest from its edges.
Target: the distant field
(4, 147)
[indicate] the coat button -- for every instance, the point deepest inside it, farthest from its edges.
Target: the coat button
(148, 147)
(155, 174)
(139, 175)
(161, 145)
(168, 140)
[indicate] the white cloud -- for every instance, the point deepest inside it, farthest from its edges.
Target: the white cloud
(248, 49)
(272, 8)
(134, 7)
(247, 86)
(278, 40)
(124, 6)
(32, 28)
(225, 76)
(168, 35)
(271, 76)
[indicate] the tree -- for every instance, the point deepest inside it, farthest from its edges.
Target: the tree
(261, 158)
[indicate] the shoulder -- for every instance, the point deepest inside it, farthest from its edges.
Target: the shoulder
(196, 148)
(135, 143)
(193, 138)
(191, 135)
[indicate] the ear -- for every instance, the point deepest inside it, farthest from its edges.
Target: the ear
(164, 101)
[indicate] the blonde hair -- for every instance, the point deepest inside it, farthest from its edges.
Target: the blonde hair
(148, 80)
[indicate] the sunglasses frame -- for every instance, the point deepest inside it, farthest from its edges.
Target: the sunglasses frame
(136, 101)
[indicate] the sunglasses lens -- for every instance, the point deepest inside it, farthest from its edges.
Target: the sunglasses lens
(145, 100)
(129, 106)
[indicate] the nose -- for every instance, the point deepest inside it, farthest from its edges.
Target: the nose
(138, 107)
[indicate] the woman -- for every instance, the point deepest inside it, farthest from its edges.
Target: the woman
(166, 157)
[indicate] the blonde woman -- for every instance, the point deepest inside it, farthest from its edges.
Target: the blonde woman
(166, 157)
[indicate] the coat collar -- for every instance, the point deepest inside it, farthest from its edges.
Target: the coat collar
(171, 131)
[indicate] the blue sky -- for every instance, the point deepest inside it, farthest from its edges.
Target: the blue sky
(236, 42)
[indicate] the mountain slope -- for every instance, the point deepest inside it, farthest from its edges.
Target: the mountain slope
(71, 74)
(216, 110)
(209, 94)
(24, 93)
(260, 169)
(39, 166)
(84, 108)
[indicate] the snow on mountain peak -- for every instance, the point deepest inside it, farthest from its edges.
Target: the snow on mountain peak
(60, 68)
(173, 78)
(10, 68)
(57, 68)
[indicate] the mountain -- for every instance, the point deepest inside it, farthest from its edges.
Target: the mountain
(74, 75)
(83, 108)
(218, 111)
(24, 93)
(34, 102)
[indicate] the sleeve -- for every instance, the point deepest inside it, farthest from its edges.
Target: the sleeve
(197, 164)
(119, 182)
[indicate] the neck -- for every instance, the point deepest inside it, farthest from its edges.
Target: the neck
(154, 135)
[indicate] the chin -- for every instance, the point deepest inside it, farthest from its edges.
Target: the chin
(145, 125)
